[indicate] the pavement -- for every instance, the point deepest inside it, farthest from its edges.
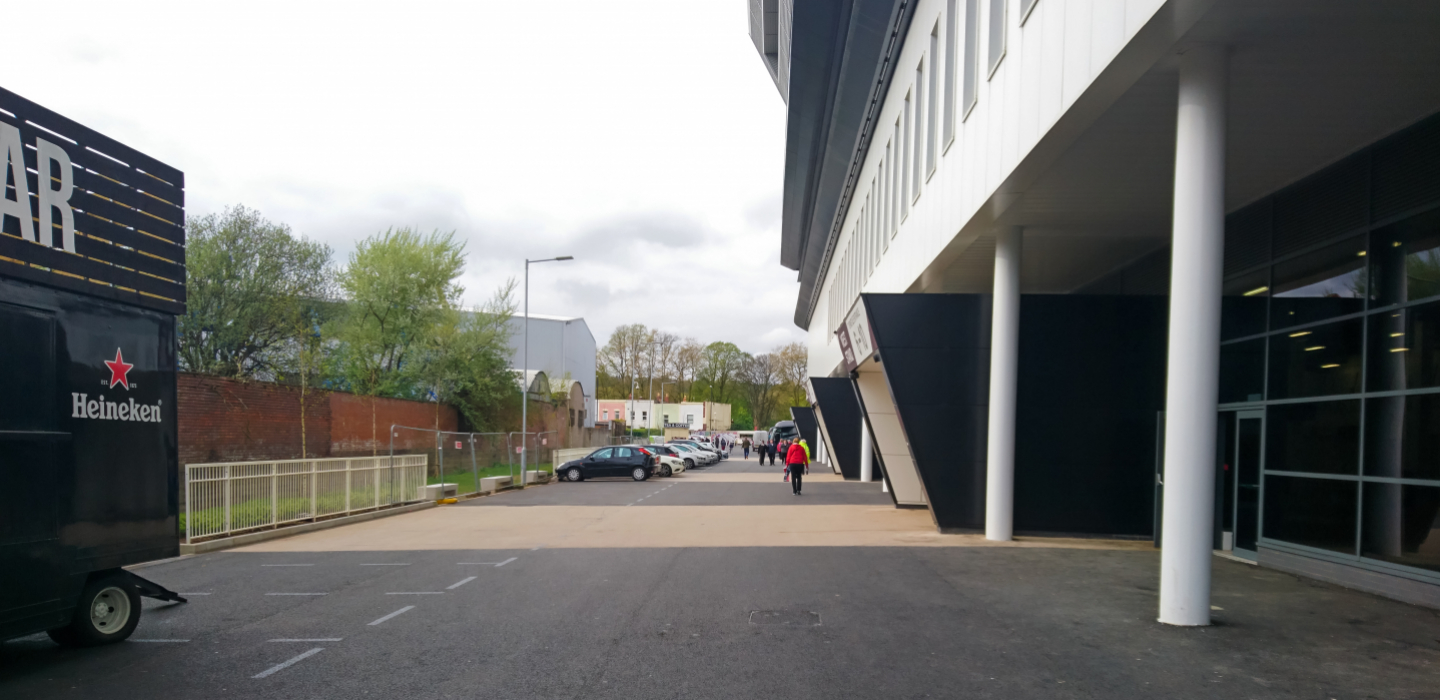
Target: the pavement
(719, 584)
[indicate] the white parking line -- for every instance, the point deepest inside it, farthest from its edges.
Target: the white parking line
(507, 561)
(401, 611)
(297, 594)
(287, 565)
(475, 563)
(385, 564)
(327, 639)
(417, 593)
(461, 583)
(287, 664)
(159, 641)
(193, 594)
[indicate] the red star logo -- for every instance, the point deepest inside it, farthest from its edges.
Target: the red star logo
(119, 371)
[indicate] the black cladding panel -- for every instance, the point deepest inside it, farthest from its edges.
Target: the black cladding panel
(1092, 374)
(835, 397)
(804, 418)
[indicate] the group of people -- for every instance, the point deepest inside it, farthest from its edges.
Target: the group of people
(793, 454)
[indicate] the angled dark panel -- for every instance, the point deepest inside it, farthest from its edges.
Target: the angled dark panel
(935, 348)
(835, 397)
(804, 418)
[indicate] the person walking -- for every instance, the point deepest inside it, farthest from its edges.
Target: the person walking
(776, 448)
(797, 463)
(745, 447)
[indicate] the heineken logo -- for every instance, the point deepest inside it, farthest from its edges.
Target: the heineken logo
(99, 408)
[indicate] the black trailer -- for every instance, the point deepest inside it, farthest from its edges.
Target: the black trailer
(92, 276)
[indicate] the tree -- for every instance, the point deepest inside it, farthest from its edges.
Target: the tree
(468, 364)
(722, 362)
(251, 287)
(758, 376)
(689, 358)
(401, 296)
(793, 362)
(622, 357)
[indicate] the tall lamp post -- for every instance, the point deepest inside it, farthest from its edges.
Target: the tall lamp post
(525, 367)
(663, 423)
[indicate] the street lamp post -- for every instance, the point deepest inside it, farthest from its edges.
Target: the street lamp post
(663, 423)
(525, 366)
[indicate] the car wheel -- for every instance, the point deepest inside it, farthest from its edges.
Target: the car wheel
(667, 471)
(108, 612)
(574, 474)
(639, 474)
(689, 464)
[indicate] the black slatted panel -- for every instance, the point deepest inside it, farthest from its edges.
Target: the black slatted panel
(1322, 206)
(1247, 237)
(128, 212)
(1406, 173)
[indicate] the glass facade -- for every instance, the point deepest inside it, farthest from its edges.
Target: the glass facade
(1331, 328)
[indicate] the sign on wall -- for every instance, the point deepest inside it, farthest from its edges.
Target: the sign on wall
(856, 344)
(84, 212)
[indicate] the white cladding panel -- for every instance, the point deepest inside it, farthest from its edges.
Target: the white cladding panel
(1049, 62)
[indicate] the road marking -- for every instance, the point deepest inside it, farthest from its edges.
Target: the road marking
(287, 565)
(417, 593)
(465, 581)
(537, 548)
(328, 639)
(287, 664)
(297, 594)
(385, 564)
(159, 641)
(475, 563)
(401, 611)
(192, 594)
(507, 561)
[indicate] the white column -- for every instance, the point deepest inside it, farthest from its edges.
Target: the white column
(1191, 392)
(1004, 366)
(867, 454)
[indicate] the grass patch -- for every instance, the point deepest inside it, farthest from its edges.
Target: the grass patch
(466, 481)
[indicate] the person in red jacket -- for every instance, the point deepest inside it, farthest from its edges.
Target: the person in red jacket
(797, 462)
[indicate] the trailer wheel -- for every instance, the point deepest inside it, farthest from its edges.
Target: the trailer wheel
(108, 611)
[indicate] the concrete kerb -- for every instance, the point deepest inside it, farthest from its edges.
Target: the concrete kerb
(264, 535)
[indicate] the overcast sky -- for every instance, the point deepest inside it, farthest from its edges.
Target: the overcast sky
(644, 137)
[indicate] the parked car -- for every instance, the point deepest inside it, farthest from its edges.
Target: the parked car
(709, 455)
(697, 457)
(671, 460)
(626, 460)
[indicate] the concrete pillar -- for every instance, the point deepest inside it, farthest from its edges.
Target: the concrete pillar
(1192, 382)
(867, 454)
(1004, 367)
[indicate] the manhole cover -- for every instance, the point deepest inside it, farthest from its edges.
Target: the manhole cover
(785, 617)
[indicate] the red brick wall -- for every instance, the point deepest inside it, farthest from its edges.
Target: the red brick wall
(228, 420)
(224, 420)
(356, 431)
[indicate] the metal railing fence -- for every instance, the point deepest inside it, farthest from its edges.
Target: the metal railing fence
(224, 498)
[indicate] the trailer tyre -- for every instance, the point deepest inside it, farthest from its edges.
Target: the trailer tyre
(108, 611)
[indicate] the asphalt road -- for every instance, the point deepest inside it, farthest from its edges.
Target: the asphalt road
(730, 622)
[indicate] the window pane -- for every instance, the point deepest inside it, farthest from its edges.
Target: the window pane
(1242, 308)
(1405, 260)
(1314, 512)
(1402, 436)
(1405, 348)
(1326, 283)
(1322, 437)
(1319, 361)
(972, 53)
(997, 32)
(1402, 525)
(1242, 371)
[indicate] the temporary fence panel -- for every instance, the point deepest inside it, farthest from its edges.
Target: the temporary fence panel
(228, 497)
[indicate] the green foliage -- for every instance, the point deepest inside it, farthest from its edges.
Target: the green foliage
(467, 365)
(252, 289)
(401, 300)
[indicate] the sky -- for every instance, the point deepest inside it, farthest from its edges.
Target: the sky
(643, 137)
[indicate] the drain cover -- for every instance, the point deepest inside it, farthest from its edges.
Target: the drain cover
(785, 617)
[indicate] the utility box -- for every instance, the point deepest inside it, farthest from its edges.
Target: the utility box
(92, 276)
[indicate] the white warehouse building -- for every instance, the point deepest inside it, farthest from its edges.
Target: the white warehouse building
(560, 347)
